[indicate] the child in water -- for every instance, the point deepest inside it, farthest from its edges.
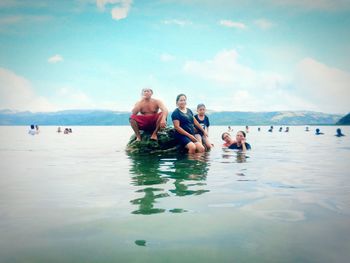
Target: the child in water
(203, 120)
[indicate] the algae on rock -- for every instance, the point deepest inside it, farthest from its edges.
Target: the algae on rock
(166, 142)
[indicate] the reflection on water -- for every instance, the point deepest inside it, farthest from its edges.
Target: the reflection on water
(234, 156)
(166, 176)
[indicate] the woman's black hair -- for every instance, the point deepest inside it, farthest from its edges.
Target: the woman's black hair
(243, 133)
(178, 97)
(223, 135)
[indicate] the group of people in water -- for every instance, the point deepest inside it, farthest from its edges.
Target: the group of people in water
(191, 130)
(66, 130)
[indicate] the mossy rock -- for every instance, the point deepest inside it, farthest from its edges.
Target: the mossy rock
(166, 143)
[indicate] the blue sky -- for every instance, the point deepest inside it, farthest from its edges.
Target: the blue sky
(259, 55)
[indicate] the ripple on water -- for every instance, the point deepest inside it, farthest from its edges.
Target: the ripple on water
(282, 215)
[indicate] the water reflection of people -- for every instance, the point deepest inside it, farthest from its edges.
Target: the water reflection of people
(145, 170)
(240, 157)
(183, 174)
(189, 172)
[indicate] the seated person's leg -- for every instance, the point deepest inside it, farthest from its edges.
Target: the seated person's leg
(135, 127)
(191, 147)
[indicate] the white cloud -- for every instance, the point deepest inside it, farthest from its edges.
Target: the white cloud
(328, 87)
(229, 23)
(166, 57)
(264, 24)
(69, 97)
(314, 86)
(119, 11)
(55, 59)
(16, 93)
(223, 68)
(177, 22)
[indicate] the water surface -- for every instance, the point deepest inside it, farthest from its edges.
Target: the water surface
(82, 198)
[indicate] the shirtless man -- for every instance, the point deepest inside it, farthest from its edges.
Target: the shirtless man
(149, 119)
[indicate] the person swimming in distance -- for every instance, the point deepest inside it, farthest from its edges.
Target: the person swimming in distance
(318, 132)
(339, 133)
(32, 130)
(238, 144)
(280, 129)
(307, 128)
(287, 129)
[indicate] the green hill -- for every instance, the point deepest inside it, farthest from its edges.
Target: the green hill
(345, 120)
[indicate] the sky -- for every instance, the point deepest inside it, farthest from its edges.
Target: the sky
(261, 55)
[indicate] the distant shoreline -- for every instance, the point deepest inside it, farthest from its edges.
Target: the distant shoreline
(116, 118)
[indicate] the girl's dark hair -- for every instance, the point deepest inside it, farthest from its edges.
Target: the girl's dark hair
(178, 97)
(243, 133)
(200, 105)
(223, 135)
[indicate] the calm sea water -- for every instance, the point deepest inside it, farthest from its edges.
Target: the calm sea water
(82, 198)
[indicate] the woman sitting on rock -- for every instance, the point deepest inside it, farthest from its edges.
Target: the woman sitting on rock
(184, 123)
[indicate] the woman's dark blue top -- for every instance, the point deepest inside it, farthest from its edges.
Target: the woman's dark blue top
(185, 119)
(234, 146)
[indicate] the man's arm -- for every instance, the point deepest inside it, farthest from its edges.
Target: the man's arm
(136, 108)
(164, 110)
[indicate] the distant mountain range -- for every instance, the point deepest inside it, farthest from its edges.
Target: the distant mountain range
(105, 117)
(345, 120)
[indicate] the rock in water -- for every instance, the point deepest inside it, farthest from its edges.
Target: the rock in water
(166, 142)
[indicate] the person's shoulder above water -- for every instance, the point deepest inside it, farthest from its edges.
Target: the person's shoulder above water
(235, 146)
(339, 133)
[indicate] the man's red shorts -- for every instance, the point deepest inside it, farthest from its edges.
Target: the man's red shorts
(146, 122)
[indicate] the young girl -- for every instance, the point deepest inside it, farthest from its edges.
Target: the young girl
(203, 120)
(184, 123)
(238, 144)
